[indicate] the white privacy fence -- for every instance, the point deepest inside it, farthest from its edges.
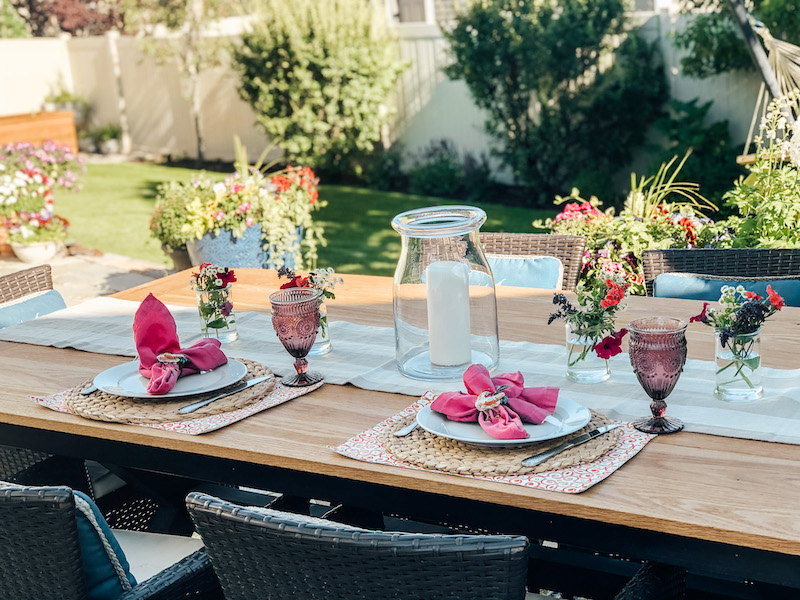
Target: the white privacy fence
(429, 106)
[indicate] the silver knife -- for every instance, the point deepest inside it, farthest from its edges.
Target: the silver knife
(536, 459)
(242, 385)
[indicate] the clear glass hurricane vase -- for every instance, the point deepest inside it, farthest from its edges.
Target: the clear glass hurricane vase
(322, 344)
(217, 316)
(738, 367)
(583, 363)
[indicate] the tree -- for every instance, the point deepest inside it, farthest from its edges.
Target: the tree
(12, 25)
(557, 118)
(714, 42)
(317, 75)
(185, 43)
(77, 17)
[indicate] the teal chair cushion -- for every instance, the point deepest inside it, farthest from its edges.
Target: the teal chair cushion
(545, 272)
(707, 287)
(19, 311)
(103, 580)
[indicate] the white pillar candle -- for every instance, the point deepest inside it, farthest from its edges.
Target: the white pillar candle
(448, 312)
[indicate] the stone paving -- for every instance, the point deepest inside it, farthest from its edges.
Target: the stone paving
(82, 276)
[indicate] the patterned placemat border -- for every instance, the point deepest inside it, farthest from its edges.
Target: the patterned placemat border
(103, 406)
(432, 451)
(369, 446)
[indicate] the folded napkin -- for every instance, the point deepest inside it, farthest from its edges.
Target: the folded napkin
(499, 404)
(161, 358)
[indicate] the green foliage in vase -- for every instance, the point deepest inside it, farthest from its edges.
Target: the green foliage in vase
(540, 70)
(713, 41)
(318, 76)
(767, 201)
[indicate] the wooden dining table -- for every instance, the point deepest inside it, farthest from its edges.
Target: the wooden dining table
(727, 509)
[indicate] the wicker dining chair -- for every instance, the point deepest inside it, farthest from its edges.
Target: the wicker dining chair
(41, 556)
(23, 283)
(293, 556)
(727, 262)
(567, 248)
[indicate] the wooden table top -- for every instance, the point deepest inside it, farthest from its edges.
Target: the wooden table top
(712, 488)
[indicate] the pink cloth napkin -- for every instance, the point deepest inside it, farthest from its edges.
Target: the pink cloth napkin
(161, 358)
(500, 418)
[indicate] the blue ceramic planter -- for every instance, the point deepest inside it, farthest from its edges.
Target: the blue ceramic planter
(225, 250)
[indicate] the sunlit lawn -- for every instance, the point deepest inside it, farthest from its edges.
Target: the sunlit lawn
(112, 211)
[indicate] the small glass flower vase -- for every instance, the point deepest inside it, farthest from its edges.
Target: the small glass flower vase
(217, 317)
(322, 344)
(583, 364)
(739, 367)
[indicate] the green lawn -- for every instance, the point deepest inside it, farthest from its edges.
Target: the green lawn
(111, 214)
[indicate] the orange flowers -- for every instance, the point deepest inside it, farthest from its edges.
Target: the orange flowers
(775, 298)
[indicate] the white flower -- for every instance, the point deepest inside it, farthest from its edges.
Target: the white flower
(218, 282)
(219, 188)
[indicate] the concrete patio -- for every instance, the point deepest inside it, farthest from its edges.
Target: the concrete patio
(84, 275)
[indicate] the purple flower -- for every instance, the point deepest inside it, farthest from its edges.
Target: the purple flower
(226, 309)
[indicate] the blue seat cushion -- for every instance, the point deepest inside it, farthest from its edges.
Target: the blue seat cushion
(546, 272)
(707, 287)
(103, 580)
(19, 311)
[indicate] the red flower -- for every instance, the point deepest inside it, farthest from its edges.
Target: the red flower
(296, 282)
(701, 318)
(775, 298)
(610, 345)
(614, 296)
(227, 276)
(753, 296)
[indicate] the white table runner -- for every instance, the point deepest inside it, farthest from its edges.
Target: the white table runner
(364, 357)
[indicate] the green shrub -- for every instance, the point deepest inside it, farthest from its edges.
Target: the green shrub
(318, 75)
(384, 170)
(437, 171)
(713, 161)
(11, 24)
(534, 67)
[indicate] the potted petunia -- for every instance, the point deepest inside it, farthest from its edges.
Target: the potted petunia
(251, 219)
(35, 233)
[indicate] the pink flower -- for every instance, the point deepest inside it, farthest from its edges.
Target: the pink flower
(610, 345)
(248, 221)
(219, 215)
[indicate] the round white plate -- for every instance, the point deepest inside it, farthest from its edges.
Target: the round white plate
(570, 413)
(124, 380)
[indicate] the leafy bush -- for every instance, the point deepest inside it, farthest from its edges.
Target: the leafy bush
(767, 199)
(713, 40)
(534, 67)
(647, 221)
(11, 24)
(317, 75)
(384, 170)
(437, 171)
(713, 161)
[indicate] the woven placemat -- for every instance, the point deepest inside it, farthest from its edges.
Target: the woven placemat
(431, 451)
(102, 406)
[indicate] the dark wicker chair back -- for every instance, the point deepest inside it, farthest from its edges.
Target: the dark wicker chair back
(568, 248)
(40, 554)
(734, 262)
(259, 553)
(20, 284)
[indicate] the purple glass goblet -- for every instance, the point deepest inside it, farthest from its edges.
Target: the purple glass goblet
(657, 351)
(295, 317)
